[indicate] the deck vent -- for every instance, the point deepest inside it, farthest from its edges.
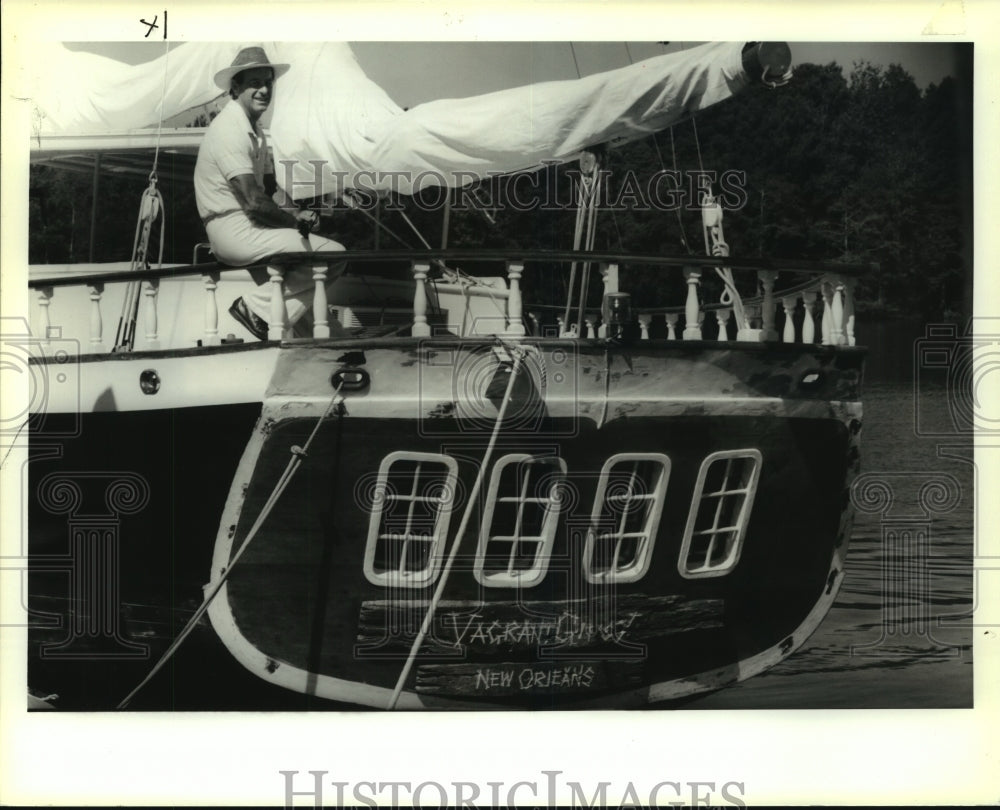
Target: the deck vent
(720, 511)
(519, 521)
(411, 505)
(626, 514)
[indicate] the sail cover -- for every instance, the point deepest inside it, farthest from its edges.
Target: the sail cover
(333, 128)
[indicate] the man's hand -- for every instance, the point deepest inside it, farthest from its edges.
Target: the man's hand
(307, 222)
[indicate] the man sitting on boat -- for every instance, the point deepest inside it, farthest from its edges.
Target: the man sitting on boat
(233, 182)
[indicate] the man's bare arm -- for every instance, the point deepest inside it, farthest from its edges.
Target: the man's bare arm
(261, 209)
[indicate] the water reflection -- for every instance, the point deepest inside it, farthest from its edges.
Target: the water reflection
(899, 634)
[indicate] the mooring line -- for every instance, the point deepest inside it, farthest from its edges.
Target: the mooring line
(298, 453)
(518, 353)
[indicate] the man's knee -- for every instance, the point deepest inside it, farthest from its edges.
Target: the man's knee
(320, 243)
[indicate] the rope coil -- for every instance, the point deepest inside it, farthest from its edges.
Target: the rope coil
(150, 209)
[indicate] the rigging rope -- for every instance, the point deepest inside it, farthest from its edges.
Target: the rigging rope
(518, 353)
(354, 205)
(677, 209)
(150, 208)
(588, 246)
(588, 192)
(159, 123)
(715, 243)
(697, 143)
(298, 453)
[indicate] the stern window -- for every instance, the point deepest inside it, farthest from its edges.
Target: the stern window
(413, 498)
(519, 521)
(625, 517)
(720, 511)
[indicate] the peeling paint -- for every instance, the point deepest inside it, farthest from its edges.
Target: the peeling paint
(443, 410)
(271, 665)
(625, 408)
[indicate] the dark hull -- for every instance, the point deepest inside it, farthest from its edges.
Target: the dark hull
(297, 611)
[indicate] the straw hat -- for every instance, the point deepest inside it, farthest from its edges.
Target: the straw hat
(245, 60)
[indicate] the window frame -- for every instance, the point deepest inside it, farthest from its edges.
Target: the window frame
(638, 569)
(749, 491)
(400, 578)
(523, 578)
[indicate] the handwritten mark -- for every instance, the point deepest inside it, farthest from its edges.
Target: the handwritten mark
(153, 24)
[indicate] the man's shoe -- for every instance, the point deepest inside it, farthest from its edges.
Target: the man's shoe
(248, 320)
(770, 62)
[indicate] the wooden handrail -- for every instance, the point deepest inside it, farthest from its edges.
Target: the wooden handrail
(755, 316)
(406, 257)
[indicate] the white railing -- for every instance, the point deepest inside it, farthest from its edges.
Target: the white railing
(821, 311)
(835, 314)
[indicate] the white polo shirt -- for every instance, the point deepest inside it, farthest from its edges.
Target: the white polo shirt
(232, 146)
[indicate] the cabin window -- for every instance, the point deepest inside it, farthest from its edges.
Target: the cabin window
(519, 521)
(720, 511)
(412, 502)
(626, 515)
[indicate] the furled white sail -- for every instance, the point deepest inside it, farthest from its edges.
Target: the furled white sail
(80, 93)
(326, 110)
(333, 128)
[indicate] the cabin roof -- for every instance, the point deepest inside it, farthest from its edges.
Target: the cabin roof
(124, 152)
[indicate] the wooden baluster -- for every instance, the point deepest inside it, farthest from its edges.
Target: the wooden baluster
(276, 323)
(590, 319)
(44, 322)
(767, 278)
(211, 282)
(837, 335)
(420, 326)
(96, 324)
(826, 324)
(808, 323)
(644, 322)
(151, 288)
(849, 284)
(750, 332)
(692, 331)
(722, 318)
(672, 325)
(609, 275)
(321, 311)
(788, 303)
(515, 319)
